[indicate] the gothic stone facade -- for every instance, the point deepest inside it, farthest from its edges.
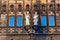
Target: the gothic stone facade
(29, 19)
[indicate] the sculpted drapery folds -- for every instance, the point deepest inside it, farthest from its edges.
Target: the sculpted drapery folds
(35, 19)
(27, 17)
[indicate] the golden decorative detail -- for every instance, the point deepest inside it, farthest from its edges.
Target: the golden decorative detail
(58, 30)
(43, 13)
(28, 2)
(19, 1)
(11, 14)
(19, 13)
(11, 1)
(33, 2)
(52, 30)
(11, 30)
(57, 14)
(43, 1)
(49, 1)
(51, 13)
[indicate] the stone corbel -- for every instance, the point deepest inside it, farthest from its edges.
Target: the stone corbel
(11, 14)
(19, 13)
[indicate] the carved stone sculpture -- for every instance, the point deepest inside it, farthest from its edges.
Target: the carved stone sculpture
(27, 17)
(35, 19)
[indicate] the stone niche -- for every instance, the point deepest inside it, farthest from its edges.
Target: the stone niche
(3, 20)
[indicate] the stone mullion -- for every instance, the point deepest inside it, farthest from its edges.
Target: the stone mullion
(7, 16)
(47, 15)
(55, 13)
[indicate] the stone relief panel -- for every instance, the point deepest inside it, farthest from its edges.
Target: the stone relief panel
(4, 20)
(18, 30)
(4, 30)
(52, 30)
(11, 30)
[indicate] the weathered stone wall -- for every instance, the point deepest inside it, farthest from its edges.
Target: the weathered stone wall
(21, 37)
(29, 37)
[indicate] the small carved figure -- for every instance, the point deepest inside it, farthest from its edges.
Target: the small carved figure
(35, 19)
(27, 16)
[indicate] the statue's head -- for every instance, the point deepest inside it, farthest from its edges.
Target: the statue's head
(27, 12)
(35, 13)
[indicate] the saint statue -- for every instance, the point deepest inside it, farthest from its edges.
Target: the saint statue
(35, 19)
(27, 17)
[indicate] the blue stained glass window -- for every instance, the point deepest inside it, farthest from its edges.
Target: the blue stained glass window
(43, 21)
(11, 21)
(19, 20)
(51, 21)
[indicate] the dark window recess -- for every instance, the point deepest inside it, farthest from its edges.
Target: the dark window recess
(35, 7)
(27, 7)
(11, 39)
(51, 7)
(19, 7)
(12, 7)
(58, 7)
(43, 7)
(3, 8)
